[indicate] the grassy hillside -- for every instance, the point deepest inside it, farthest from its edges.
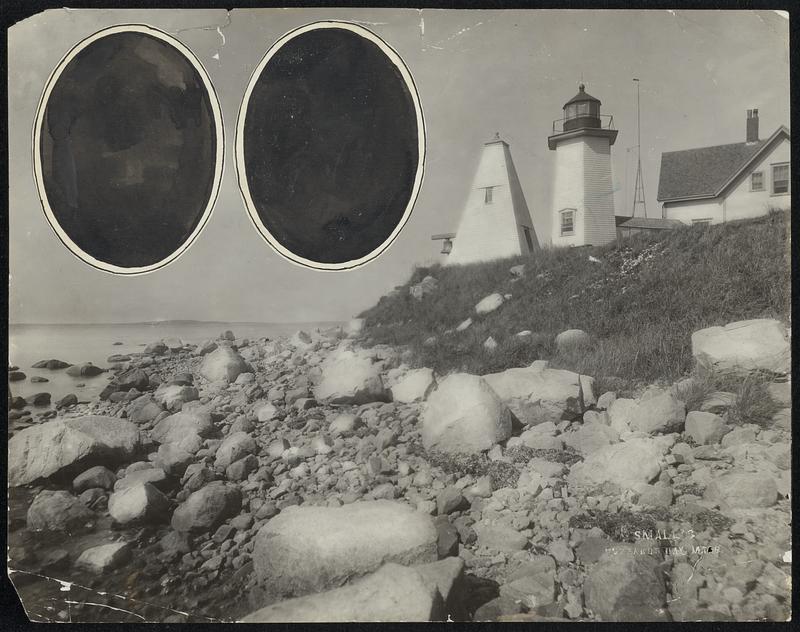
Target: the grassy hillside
(640, 302)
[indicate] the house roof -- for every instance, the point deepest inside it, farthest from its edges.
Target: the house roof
(706, 171)
(647, 222)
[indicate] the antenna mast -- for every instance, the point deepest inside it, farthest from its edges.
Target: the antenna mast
(638, 192)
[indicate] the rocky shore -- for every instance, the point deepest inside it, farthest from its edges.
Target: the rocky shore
(313, 479)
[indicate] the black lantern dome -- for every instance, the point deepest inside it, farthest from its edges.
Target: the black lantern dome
(582, 110)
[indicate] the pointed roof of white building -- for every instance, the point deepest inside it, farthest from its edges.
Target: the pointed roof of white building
(493, 225)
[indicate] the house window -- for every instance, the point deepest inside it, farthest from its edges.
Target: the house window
(528, 239)
(757, 181)
(487, 195)
(705, 221)
(568, 222)
(780, 179)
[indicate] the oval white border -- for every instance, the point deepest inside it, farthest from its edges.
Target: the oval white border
(220, 148)
(241, 171)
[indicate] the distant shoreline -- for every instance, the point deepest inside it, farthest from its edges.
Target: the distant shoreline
(155, 323)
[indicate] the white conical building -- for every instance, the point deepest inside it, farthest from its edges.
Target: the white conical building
(583, 196)
(495, 222)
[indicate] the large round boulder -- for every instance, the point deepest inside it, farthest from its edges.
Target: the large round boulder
(538, 394)
(745, 345)
(58, 511)
(84, 370)
(628, 465)
(235, 446)
(464, 415)
(138, 504)
(310, 548)
(69, 445)
(414, 386)
(207, 508)
(391, 594)
(177, 427)
(350, 377)
(223, 364)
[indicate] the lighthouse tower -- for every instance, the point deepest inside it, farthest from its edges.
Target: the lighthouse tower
(496, 221)
(583, 196)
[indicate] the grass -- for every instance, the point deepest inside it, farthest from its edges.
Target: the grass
(752, 402)
(640, 303)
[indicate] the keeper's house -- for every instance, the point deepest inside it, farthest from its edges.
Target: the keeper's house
(710, 185)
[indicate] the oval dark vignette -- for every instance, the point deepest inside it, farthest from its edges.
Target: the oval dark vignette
(330, 146)
(128, 149)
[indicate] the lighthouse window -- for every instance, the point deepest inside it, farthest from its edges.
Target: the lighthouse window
(583, 108)
(757, 181)
(487, 195)
(572, 110)
(568, 222)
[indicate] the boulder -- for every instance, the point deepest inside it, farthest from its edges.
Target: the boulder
(499, 537)
(572, 338)
(104, 558)
(68, 400)
(154, 475)
(39, 399)
(628, 464)
(301, 340)
(53, 365)
(626, 586)
(428, 285)
(344, 424)
(141, 503)
(84, 370)
(173, 343)
(156, 348)
(177, 427)
(98, 476)
(310, 549)
(393, 593)
(350, 377)
(132, 378)
(68, 445)
(656, 411)
(174, 396)
(143, 409)
(117, 358)
(414, 386)
(532, 582)
(174, 458)
(227, 335)
(58, 511)
(464, 414)
(355, 326)
(38, 379)
(266, 412)
(204, 348)
(745, 345)
(223, 364)
(16, 376)
(745, 490)
(705, 428)
(590, 437)
(537, 393)
(234, 447)
(489, 303)
(207, 508)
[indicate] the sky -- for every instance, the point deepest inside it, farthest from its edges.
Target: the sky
(477, 72)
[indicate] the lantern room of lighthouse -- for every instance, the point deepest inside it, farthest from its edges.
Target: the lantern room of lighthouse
(583, 195)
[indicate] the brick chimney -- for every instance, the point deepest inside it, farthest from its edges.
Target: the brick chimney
(752, 126)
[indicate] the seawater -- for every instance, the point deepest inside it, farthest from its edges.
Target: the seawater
(78, 344)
